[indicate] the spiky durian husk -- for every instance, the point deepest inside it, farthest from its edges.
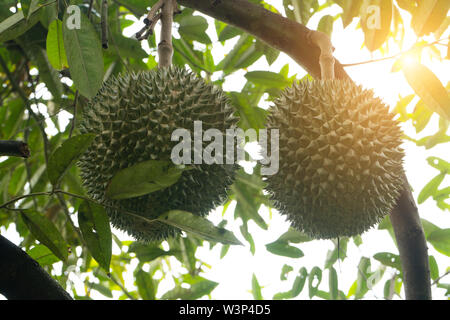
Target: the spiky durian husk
(340, 158)
(134, 116)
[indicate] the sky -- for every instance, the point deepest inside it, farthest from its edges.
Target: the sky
(234, 271)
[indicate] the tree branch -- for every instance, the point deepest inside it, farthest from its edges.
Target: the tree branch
(165, 50)
(14, 148)
(23, 278)
(293, 39)
(412, 246)
(277, 31)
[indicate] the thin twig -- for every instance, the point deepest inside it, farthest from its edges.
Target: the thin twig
(440, 278)
(104, 24)
(74, 119)
(395, 55)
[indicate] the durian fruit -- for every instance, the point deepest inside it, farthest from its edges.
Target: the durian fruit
(133, 117)
(340, 169)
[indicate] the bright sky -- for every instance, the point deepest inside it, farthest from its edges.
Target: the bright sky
(234, 271)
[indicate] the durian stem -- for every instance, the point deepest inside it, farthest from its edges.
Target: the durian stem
(326, 59)
(412, 246)
(165, 49)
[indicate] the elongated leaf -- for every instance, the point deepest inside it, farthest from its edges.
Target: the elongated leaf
(43, 255)
(55, 46)
(146, 285)
(351, 10)
(284, 249)
(428, 87)
(194, 28)
(229, 32)
(66, 155)
(363, 275)
(429, 15)
(294, 236)
(17, 24)
(389, 259)
(314, 279)
(46, 232)
(143, 178)
(84, 55)
(439, 164)
(148, 252)
(434, 269)
(440, 239)
(196, 291)
(326, 24)
(256, 288)
(333, 283)
(297, 286)
(268, 79)
(94, 226)
(199, 226)
(376, 18)
(430, 188)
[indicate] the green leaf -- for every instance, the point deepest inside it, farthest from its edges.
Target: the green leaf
(333, 283)
(228, 64)
(94, 226)
(429, 15)
(43, 255)
(66, 155)
(430, 188)
(284, 249)
(199, 226)
(84, 55)
(434, 269)
(294, 236)
(428, 87)
(268, 79)
(55, 46)
(284, 271)
(196, 291)
(326, 24)
(256, 288)
(421, 116)
(101, 288)
(126, 47)
(143, 178)
(363, 275)
(351, 10)
(389, 259)
(148, 252)
(194, 28)
(48, 74)
(17, 24)
(440, 239)
(146, 285)
(297, 286)
(376, 18)
(439, 164)
(314, 279)
(229, 32)
(46, 232)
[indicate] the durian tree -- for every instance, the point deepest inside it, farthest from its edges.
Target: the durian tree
(87, 112)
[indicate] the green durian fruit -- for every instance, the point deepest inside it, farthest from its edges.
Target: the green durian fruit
(340, 169)
(133, 117)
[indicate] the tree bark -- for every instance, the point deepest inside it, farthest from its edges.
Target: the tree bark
(23, 278)
(14, 148)
(294, 39)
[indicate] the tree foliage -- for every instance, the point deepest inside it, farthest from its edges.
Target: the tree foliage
(49, 71)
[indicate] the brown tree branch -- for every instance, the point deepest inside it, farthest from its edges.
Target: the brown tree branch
(279, 32)
(23, 278)
(14, 148)
(412, 246)
(293, 39)
(165, 50)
